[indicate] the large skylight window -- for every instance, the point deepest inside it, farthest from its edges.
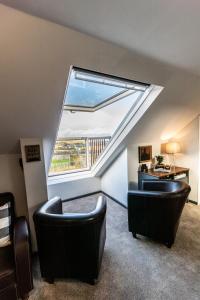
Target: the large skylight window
(95, 106)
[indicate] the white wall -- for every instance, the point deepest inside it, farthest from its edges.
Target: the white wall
(12, 180)
(75, 188)
(133, 163)
(35, 182)
(114, 181)
(189, 156)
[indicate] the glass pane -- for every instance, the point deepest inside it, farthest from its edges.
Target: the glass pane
(100, 123)
(69, 155)
(82, 92)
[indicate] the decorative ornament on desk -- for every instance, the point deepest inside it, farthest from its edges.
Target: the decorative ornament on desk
(144, 168)
(159, 164)
(167, 167)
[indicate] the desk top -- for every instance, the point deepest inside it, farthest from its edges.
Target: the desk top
(173, 171)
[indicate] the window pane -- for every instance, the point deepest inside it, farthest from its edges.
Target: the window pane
(89, 94)
(76, 154)
(69, 155)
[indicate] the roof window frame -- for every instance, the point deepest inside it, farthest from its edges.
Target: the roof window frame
(138, 86)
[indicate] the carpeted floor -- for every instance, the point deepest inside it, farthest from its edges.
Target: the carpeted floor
(135, 269)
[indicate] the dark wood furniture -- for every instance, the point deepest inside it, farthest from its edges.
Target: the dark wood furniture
(172, 175)
(15, 259)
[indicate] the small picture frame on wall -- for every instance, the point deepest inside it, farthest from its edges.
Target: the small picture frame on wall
(32, 153)
(145, 153)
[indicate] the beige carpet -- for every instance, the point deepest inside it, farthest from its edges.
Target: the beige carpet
(135, 269)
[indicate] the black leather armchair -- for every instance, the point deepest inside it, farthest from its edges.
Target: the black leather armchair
(70, 244)
(155, 210)
(15, 259)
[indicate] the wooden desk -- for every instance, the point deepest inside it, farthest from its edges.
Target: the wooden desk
(151, 174)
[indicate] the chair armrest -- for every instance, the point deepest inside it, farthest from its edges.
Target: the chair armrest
(147, 193)
(22, 256)
(42, 216)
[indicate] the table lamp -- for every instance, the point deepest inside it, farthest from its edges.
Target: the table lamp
(173, 148)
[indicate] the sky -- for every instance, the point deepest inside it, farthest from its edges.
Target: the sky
(102, 122)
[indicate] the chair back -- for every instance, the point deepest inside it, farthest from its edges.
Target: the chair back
(69, 243)
(155, 210)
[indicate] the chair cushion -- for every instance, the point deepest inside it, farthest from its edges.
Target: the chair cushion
(7, 271)
(5, 223)
(80, 205)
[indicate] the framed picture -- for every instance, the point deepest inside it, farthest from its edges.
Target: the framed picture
(32, 153)
(145, 153)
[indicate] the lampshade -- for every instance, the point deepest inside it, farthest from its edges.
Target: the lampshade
(173, 147)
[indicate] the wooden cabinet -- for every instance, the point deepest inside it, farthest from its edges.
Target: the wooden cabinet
(177, 173)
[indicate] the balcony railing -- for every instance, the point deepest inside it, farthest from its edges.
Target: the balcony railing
(76, 154)
(96, 147)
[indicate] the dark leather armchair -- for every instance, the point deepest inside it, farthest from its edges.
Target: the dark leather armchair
(70, 244)
(155, 210)
(15, 259)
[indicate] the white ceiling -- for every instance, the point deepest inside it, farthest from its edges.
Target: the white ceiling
(35, 59)
(167, 31)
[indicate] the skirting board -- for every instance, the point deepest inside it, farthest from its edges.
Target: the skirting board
(117, 201)
(93, 193)
(81, 196)
(193, 202)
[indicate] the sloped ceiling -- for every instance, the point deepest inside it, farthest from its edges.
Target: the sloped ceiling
(35, 57)
(164, 30)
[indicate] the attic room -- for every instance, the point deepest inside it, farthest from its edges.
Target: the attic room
(100, 152)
